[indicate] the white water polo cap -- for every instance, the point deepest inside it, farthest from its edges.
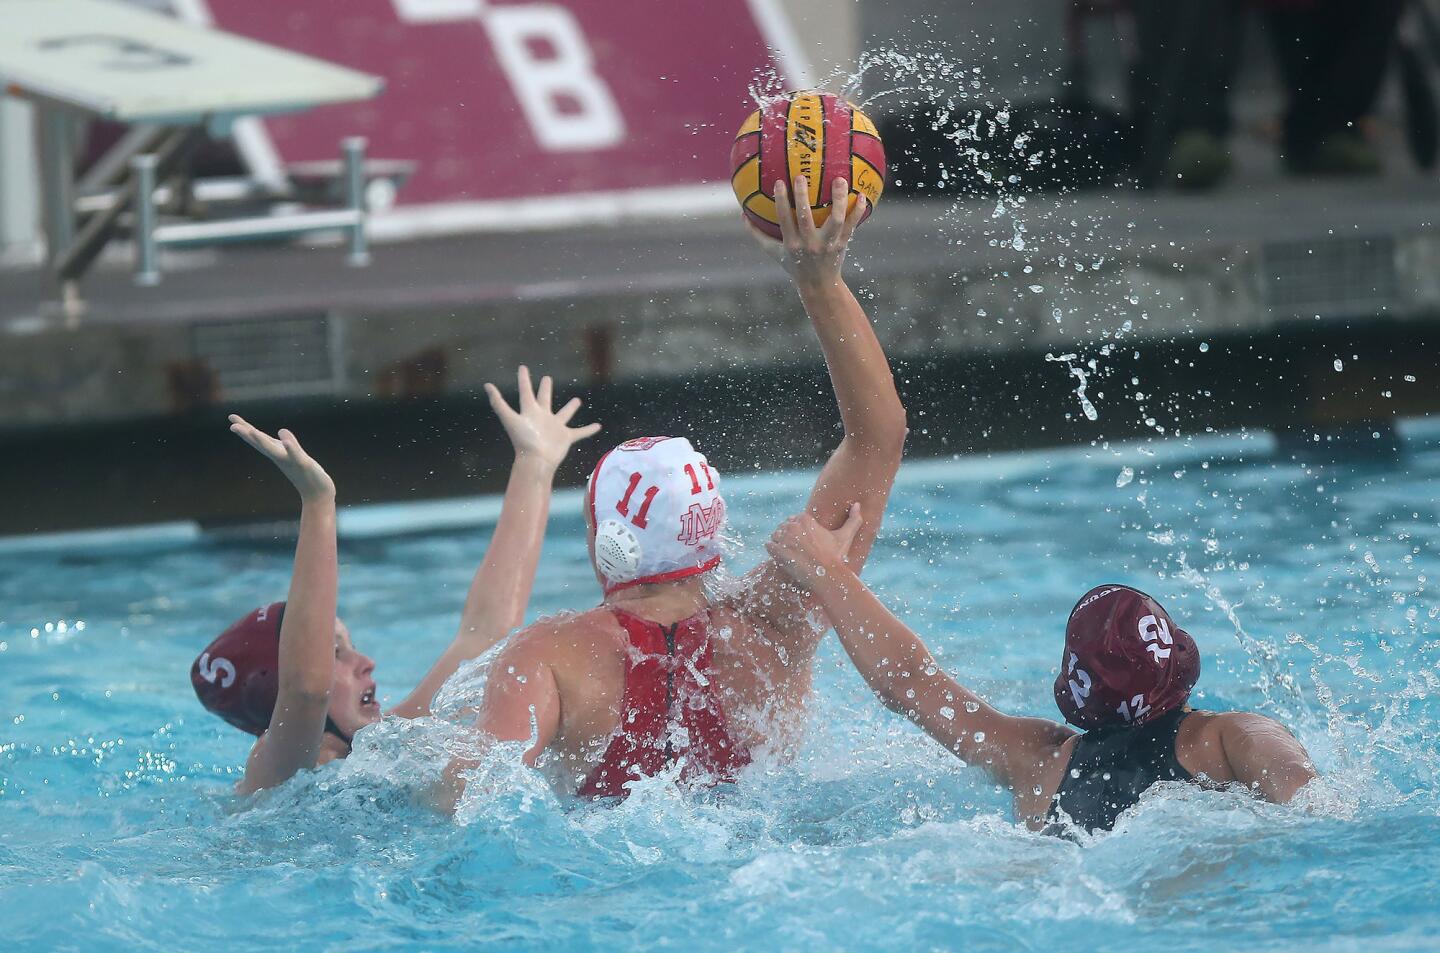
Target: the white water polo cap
(656, 507)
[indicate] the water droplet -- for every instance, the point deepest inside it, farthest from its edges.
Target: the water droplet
(972, 707)
(947, 713)
(979, 736)
(1339, 364)
(1124, 478)
(1204, 347)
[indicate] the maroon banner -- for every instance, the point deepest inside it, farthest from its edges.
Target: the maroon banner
(516, 99)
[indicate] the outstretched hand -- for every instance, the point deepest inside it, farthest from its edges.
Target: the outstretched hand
(535, 430)
(811, 254)
(307, 476)
(806, 551)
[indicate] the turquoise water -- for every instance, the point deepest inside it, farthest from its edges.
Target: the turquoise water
(1308, 587)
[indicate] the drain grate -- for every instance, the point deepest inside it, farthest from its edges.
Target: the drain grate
(277, 357)
(1330, 277)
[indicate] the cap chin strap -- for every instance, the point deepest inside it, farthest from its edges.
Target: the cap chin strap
(334, 729)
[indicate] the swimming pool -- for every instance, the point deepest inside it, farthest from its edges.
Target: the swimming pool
(1307, 585)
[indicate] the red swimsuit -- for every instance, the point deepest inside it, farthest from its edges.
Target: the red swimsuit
(670, 710)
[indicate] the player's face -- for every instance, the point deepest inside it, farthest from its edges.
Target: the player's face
(352, 688)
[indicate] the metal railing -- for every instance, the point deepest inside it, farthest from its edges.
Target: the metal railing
(151, 234)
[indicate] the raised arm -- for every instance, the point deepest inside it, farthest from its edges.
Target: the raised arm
(307, 632)
(501, 588)
(862, 469)
(898, 666)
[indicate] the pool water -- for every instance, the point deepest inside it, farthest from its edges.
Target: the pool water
(1307, 585)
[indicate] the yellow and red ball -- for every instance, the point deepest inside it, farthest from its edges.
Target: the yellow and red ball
(817, 135)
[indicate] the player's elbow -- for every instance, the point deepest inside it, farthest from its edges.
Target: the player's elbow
(892, 697)
(883, 433)
(892, 703)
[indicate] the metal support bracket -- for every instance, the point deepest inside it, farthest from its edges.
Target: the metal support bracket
(151, 235)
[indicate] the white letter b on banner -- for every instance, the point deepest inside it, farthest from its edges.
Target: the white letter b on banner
(566, 104)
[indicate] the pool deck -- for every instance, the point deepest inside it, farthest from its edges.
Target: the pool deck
(685, 324)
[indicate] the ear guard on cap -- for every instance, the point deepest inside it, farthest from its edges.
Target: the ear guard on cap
(617, 551)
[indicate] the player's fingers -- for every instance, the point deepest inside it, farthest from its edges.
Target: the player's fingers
(547, 389)
(568, 411)
(258, 439)
(839, 196)
(248, 434)
(527, 392)
(852, 220)
(805, 222)
(497, 402)
(292, 446)
(589, 430)
(785, 213)
(845, 535)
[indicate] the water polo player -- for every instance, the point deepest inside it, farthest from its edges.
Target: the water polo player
(1125, 680)
(289, 673)
(667, 674)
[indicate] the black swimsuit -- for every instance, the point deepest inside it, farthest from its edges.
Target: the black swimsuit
(1110, 768)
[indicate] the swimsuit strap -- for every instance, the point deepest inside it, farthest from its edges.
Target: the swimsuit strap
(333, 729)
(1111, 768)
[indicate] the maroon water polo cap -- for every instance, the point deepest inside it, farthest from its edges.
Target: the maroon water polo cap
(1126, 662)
(238, 675)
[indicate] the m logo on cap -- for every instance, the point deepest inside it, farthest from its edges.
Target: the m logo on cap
(1154, 631)
(701, 522)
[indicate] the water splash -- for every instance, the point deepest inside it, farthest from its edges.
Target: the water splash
(1082, 382)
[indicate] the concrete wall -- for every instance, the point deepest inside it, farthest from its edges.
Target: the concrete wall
(117, 371)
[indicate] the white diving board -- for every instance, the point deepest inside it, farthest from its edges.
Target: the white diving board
(171, 82)
(129, 65)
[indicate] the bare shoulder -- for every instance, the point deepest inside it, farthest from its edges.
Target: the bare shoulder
(1206, 723)
(1242, 730)
(1200, 746)
(570, 645)
(754, 636)
(767, 606)
(1210, 744)
(560, 633)
(1237, 723)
